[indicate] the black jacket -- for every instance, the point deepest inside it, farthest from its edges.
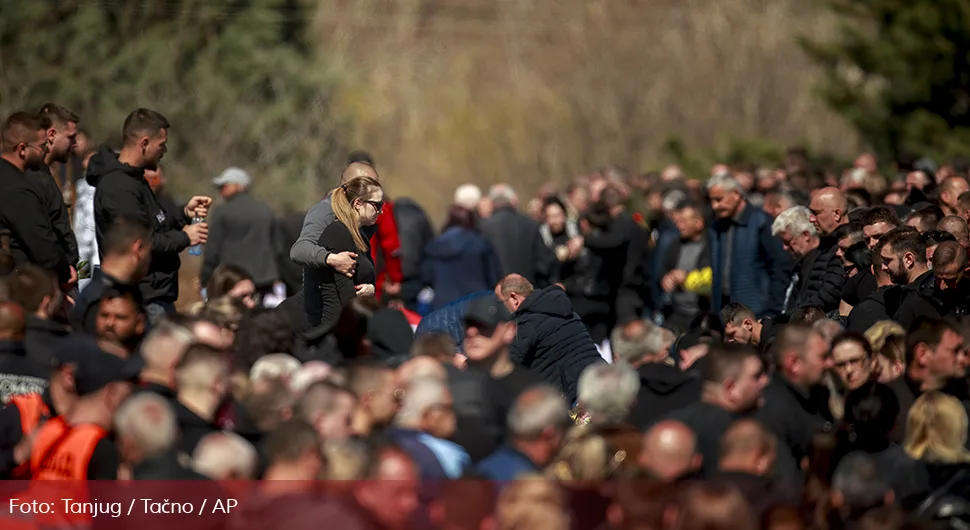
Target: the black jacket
(43, 338)
(516, 240)
(794, 417)
(634, 291)
(241, 233)
(286, 231)
(922, 299)
(122, 189)
(415, 232)
(18, 374)
(53, 199)
(167, 466)
(709, 422)
(880, 305)
(193, 428)
(32, 235)
(824, 279)
(552, 341)
(663, 388)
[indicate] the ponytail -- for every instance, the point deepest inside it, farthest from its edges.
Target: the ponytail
(342, 198)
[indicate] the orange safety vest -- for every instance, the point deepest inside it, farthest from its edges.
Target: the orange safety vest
(33, 413)
(62, 451)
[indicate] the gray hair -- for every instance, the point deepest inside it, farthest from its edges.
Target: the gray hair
(631, 347)
(223, 455)
(149, 421)
(795, 220)
(420, 395)
(859, 480)
(528, 418)
(468, 196)
(725, 181)
(274, 366)
(164, 345)
(673, 199)
(607, 391)
(502, 194)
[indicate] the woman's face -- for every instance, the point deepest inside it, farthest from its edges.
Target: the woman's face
(370, 206)
(244, 291)
(852, 364)
(555, 218)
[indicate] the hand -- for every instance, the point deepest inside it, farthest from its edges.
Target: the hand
(73, 280)
(585, 227)
(672, 280)
(575, 247)
(198, 206)
(198, 233)
(392, 289)
(344, 262)
(366, 289)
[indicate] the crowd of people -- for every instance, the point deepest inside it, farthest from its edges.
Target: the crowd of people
(766, 347)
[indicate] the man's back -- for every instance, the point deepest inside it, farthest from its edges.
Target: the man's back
(241, 233)
(514, 237)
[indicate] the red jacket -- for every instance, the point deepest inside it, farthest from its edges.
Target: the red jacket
(386, 240)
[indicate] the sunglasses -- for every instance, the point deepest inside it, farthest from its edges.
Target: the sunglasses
(378, 205)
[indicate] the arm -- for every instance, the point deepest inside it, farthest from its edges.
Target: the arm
(778, 265)
(60, 220)
(519, 350)
(306, 251)
(827, 295)
(213, 247)
(390, 242)
(32, 227)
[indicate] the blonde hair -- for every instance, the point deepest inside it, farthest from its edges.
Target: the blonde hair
(936, 429)
(541, 517)
(882, 331)
(529, 491)
(586, 457)
(342, 199)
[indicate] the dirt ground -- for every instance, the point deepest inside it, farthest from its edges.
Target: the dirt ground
(189, 282)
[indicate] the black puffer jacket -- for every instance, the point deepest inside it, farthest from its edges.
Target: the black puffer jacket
(824, 280)
(122, 189)
(552, 341)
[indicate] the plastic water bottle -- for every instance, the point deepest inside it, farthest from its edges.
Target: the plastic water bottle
(425, 299)
(196, 250)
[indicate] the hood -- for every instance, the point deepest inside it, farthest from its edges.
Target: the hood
(106, 161)
(663, 380)
(454, 243)
(550, 301)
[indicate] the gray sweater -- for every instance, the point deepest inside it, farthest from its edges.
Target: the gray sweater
(307, 251)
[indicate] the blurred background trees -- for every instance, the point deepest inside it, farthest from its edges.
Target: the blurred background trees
(450, 91)
(899, 72)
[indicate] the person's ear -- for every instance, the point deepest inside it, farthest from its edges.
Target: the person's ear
(922, 352)
(696, 462)
(140, 326)
(45, 305)
(748, 324)
(144, 142)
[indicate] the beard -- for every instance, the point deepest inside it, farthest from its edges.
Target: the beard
(899, 276)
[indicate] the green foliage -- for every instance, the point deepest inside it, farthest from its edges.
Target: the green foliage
(729, 150)
(235, 78)
(899, 72)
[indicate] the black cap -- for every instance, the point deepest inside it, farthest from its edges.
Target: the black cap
(487, 311)
(94, 368)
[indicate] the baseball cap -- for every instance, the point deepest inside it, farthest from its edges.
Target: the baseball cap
(487, 311)
(232, 175)
(95, 368)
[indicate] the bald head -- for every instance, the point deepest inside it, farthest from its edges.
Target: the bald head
(358, 169)
(670, 451)
(513, 290)
(747, 446)
(829, 210)
(12, 321)
(956, 226)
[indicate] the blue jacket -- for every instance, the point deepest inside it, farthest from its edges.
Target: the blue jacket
(760, 267)
(450, 318)
(506, 463)
(457, 263)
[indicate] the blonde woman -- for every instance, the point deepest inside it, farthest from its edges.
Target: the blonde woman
(355, 204)
(936, 435)
(888, 340)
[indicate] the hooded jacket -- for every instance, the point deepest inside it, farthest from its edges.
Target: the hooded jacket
(922, 299)
(122, 190)
(663, 388)
(552, 341)
(458, 263)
